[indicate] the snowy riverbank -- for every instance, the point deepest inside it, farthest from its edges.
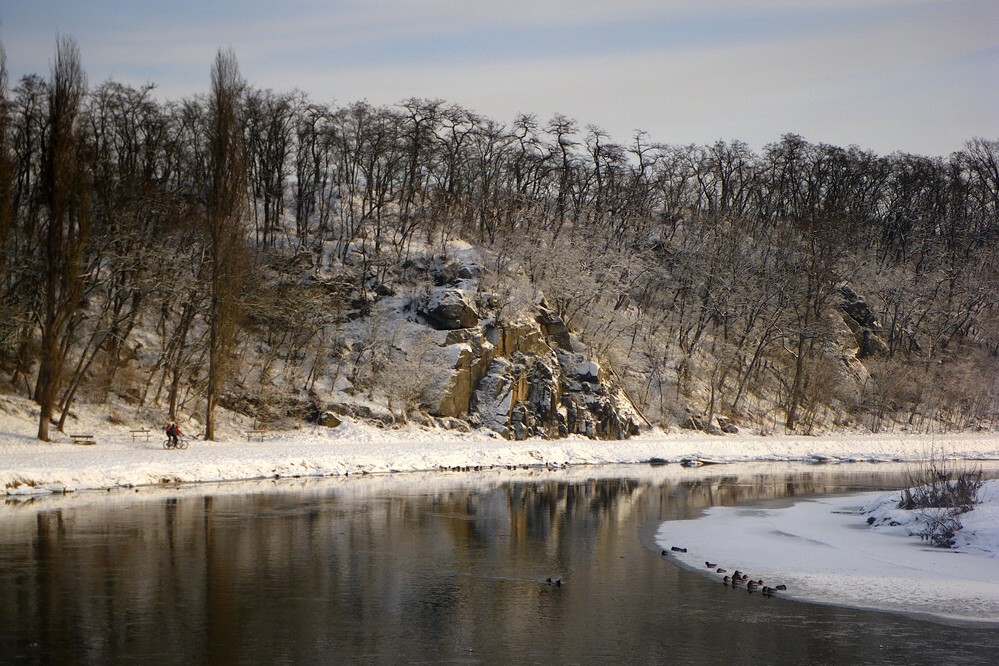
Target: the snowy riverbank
(823, 551)
(30, 466)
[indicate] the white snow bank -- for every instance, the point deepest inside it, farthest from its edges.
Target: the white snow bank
(27, 465)
(823, 551)
(980, 528)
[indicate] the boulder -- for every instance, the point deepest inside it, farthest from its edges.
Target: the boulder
(727, 426)
(448, 309)
(329, 420)
(469, 271)
(554, 328)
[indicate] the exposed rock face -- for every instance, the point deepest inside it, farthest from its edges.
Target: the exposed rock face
(865, 326)
(849, 374)
(448, 309)
(511, 380)
(518, 337)
(475, 354)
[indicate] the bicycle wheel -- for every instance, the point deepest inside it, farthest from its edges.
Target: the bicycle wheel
(182, 444)
(167, 444)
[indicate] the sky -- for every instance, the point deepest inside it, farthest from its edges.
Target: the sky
(916, 76)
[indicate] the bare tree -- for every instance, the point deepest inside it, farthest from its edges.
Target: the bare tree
(269, 121)
(6, 167)
(226, 209)
(66, 190)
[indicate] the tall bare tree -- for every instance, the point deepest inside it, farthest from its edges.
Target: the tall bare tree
(6, 166)
(66, 191)
(226, 210)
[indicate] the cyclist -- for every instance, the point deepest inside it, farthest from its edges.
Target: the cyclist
(174, 433)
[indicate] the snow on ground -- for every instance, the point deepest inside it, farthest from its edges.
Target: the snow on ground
(30, 466)
(823, 551)
(979, 532)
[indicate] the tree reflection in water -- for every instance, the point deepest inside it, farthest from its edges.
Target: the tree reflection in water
(436, 567)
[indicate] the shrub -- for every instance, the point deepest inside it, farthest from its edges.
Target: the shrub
(941, 495)
(934, 486)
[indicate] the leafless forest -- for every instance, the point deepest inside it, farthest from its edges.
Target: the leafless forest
(227, 249)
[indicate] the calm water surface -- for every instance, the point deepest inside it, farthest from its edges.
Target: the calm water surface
(443, 568)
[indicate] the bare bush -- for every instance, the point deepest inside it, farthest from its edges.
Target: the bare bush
(940, 527)
(934, 486)
(940, 495)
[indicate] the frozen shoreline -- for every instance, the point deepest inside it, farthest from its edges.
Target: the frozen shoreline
(30, 466)
(823, 551)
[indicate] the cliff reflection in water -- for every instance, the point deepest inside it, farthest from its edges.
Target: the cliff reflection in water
(419, 567)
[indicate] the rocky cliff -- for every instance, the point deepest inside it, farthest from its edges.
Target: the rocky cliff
(527, 378)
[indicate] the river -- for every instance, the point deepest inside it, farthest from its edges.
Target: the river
(427, 568)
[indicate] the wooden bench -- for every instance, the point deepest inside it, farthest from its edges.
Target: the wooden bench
(141, 432)
(83, 439)
(256, 434)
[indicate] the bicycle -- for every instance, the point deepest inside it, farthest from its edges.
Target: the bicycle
(168, 443)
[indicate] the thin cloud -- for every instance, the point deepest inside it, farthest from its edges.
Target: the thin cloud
(876, 72)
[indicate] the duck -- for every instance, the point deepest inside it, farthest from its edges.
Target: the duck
(752, 585)
(709, 565)
(664, 553)
(720, 570)
(678, 549)
(727, 580)
(781, 587)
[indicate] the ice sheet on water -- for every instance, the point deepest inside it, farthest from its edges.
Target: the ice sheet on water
(823, 550)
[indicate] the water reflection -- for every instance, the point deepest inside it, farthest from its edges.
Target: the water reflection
(423, 568)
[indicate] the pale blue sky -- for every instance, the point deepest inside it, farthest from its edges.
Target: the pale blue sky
(914, 75)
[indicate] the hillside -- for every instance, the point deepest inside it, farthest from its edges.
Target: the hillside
(296, 262)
